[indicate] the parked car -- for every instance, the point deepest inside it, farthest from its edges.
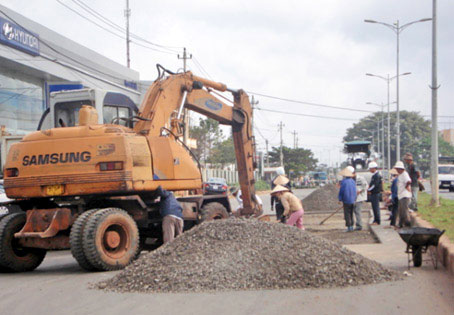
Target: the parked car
(215, 186)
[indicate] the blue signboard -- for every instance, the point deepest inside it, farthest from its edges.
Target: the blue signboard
(131, 84)
(18, 37)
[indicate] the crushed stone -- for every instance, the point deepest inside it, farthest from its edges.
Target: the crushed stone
(246, 254)
(322, 199)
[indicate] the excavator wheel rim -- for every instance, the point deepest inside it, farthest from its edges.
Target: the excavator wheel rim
(101, 248)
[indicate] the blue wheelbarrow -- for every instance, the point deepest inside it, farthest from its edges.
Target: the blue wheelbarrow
(418, 239)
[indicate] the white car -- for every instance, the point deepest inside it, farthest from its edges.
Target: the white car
(446, 177)
(3, 198)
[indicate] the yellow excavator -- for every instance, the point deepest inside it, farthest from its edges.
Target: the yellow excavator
(92, 187)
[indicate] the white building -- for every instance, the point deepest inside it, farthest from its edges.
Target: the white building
(33, 58)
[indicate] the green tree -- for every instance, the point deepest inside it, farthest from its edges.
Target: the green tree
(223, 153)
(415, 135)
(207, 135)
(295, 160)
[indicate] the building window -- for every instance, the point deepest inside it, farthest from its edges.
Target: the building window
(21, 102)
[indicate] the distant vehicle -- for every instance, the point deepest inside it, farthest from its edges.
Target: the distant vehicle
(215, 186)
(320, 178)
(446, 177)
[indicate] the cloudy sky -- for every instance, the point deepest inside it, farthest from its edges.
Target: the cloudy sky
(310, 51)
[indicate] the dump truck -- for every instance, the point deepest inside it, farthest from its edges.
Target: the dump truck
(91, 187)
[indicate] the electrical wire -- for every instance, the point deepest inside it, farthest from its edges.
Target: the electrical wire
(305, 115)
(109, 22)
(109, 31)
(309, 103)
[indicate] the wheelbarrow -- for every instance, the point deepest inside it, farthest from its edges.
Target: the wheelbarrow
(418, 239)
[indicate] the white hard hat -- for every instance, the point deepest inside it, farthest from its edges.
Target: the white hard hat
(373, 165)
(399, 164)
(351, 168)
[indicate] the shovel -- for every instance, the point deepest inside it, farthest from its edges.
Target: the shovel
(337, 210)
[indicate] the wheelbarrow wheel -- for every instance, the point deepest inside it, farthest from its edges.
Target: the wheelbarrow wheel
(417, 255)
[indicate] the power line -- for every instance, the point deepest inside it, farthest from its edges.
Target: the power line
(112, 24)
(309, 103)
(111, 32)
(306, 115)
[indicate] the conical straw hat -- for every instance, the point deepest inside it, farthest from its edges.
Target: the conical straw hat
(279, 188)
(346, 172)
(281, 180)
(393, 171)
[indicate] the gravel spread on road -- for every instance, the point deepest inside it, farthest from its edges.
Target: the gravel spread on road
(322, 199)
(246, 254)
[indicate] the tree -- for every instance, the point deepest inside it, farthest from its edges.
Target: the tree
(415, 136)
(207, 134)
(223, 153)
(295, 160)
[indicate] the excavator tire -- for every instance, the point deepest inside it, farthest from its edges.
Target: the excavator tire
(110, 239)
(213, 211)
(76, 238)
(13, 257)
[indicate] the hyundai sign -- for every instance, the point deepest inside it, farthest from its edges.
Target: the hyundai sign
(17, 37)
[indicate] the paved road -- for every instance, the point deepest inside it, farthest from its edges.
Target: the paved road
(60, 286)
(444, 193)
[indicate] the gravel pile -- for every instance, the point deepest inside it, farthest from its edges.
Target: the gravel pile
(242, 254)
(322, 199)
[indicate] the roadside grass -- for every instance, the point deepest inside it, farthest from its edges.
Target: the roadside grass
(261, 185)
(442, 217)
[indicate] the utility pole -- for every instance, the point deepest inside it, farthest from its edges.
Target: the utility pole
(253, 103)
(434, 87)
(281, 125)
(127, 15)
(186, 112)
(295, 135)
(267, 154)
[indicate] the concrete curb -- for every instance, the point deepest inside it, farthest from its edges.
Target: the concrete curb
(444, 250)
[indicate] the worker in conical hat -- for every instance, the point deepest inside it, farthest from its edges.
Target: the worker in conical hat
(293, 208)
(282, 180)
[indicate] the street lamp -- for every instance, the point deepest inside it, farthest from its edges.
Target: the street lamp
(382, 131)
(388, 80)
(396, 28)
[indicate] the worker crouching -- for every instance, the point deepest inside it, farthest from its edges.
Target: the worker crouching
(293, 208)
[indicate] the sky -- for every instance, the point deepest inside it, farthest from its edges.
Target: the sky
(310, 51)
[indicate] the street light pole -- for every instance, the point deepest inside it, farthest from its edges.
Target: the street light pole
(434, 87)
(397, 29)
(388, 80)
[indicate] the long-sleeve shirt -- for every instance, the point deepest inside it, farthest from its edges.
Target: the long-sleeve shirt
(290, 202)
(361, 188)
(347, 191)
(168, 205)
(394, 189)
(375, 186)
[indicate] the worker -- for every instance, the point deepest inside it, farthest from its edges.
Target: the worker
(171, 213)
(293, 208)
(394, 197)
(361, 197)
(415, 176)
(347, 196)
(374, 190)
(403, 194)
(282, 180)
(236, 192)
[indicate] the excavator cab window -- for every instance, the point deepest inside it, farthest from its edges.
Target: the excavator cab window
(67, 113)
(112, 113)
